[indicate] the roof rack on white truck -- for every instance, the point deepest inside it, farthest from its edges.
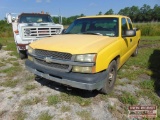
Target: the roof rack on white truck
(28, 27)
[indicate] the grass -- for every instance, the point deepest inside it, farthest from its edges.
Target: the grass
(30, 77)
(127, 98)
(53, 99)
(147, 62)
(19, 115)
(45, 116)
(10, 83)
(1, 90)
(12, 71)
(136, 66)
(150, 38)
(10, 45)
(84, 115)
(2, 64)
(112, 108)
(15, 64)
(30, 87)
(77, 99)
(147, 84)
(65, 109)
(31, 101)
(149, 29)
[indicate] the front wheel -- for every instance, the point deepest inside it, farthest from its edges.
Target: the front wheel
(111, 78)
(22, 54)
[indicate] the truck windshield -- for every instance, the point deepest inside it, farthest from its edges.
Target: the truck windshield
(35, 18)
(94, 26)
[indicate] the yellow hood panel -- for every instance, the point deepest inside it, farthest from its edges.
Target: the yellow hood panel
(74, 44)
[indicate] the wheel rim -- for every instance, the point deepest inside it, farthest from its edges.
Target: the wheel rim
(111, 77)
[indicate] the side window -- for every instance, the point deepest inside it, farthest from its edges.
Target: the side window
(124, 26)
(130, 24)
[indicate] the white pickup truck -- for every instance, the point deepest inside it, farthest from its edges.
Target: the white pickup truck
(28, 27)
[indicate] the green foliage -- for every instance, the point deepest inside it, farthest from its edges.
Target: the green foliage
(65, 108)
(10, 45)
(9, 83)
(127, 98)
(5, 29)
(85, 115)
(32, 101)
(109, 12)
(148, 57)
(147, 84)
(151, 39)
(71, 98)
(149, 29)
(69, 20)
(30, 87)
(11, 71)
(143, 14)
(53, 99)
(45, 116)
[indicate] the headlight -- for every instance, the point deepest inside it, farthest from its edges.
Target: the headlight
(57, 31)
(86, 58)
(27, 31)
(30, 50)
(83, 69)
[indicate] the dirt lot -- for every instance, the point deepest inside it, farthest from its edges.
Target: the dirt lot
(25, 96)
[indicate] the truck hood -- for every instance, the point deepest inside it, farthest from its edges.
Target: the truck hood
(39, 24)
(74, 44)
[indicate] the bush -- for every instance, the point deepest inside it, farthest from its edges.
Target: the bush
(149, 29)
(5, 29)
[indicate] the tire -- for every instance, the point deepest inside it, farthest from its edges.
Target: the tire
(22, 54)
(135, 52)
(111, 78)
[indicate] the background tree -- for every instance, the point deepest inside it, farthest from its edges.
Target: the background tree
(109, 12)
(125, 11)
(100, 13)
(145, 13)
(156, 13)
(133, 13)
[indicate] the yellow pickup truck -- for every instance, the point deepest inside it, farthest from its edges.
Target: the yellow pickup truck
(88, 54)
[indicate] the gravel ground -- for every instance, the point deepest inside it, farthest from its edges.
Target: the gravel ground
(14, 104)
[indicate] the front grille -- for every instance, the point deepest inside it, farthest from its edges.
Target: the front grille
(38, 32)
(53, 54)
(52, 65)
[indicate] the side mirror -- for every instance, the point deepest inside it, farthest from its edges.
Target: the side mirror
(129, 33)
(9, 18)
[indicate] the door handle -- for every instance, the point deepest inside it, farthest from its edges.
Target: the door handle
(131, 40)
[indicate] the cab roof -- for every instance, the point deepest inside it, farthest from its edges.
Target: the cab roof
(103, 16)
(33, 14)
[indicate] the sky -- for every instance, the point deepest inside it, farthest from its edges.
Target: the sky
(69, 8)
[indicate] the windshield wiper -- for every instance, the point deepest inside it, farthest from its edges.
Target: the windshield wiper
(92, 33)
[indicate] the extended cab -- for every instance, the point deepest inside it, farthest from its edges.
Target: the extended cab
(88, 54)
(28, 27)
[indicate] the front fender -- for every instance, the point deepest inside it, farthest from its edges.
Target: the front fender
(105, 56)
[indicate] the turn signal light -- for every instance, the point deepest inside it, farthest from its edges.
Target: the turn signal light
(16, 31)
